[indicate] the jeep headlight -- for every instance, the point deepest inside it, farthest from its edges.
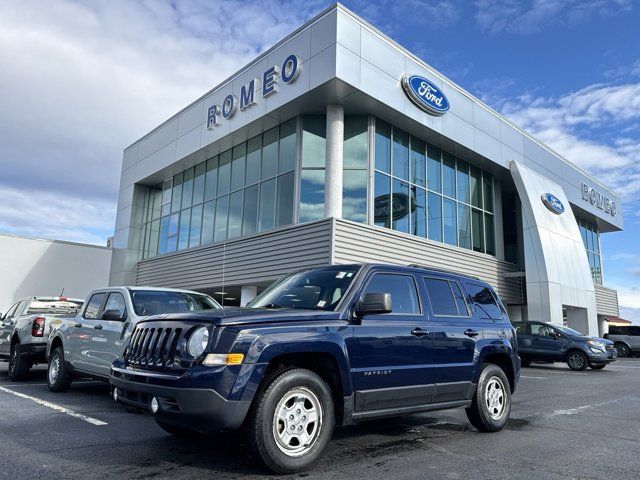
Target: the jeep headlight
(198, 341)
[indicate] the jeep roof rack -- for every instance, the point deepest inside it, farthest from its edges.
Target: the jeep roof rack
(436, 269)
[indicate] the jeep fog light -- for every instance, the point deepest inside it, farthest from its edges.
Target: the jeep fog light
(155, 406)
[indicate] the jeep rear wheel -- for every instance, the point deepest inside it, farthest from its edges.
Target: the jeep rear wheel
(291, 421)
(58, 378)
(18, 365)
(577, 361)
(491, 403)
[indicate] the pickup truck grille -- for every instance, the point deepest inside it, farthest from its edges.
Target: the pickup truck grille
(153, 346)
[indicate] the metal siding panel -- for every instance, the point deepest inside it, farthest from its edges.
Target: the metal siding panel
(607, 301)
(364, 243)
(258, 258)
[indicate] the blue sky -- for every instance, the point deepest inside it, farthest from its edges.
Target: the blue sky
(81, 80)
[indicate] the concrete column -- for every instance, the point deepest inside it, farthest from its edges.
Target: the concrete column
(334, 162)
(247, 293)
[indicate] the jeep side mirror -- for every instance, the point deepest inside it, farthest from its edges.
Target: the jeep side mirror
(112, 315)
(373, 303)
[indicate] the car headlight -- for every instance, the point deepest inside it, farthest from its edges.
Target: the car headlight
(596, 343)
(198, 341)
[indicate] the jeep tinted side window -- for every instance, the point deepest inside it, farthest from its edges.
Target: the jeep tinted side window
(522, 328)
(441, 297)
(404, 295)
(484, 302)
(93, 307)
(634, 331)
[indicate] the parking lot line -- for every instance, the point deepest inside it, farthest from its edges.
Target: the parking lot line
(529, 376)
(88, 382)
(55, 407)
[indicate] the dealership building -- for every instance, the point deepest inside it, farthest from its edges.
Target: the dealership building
(337, 145)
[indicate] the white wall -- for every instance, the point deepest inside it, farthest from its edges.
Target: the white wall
(37, 267)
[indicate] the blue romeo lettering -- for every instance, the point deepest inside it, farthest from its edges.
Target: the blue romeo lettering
(212, 116)
(247, 94)
(229, 106)
(269, 81)
(290, 69)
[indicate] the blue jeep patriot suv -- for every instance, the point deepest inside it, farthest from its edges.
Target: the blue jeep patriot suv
(326, 346)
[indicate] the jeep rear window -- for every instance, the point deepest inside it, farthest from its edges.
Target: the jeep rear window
(157, 302)
(484, 301)
(315, 289)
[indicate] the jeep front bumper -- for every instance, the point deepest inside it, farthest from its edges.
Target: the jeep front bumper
(198, 409)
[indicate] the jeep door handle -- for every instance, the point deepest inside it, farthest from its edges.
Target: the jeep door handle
(98, 327)
(471, 333)
(418, 332)
(78, 325)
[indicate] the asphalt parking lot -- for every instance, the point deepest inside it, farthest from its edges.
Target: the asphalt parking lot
(563, 425)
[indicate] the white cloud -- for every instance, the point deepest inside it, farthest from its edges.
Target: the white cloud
(530, 17)
(50, 215)
(566, 125)
(81, 81)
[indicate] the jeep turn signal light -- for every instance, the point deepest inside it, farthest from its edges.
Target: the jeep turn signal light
(219, 359)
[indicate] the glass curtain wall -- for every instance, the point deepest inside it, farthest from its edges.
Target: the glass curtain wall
(356, 161)
(246, 189)
(591, 240)
(422, 190)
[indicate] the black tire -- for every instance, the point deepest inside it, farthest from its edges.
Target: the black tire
(577, 361)
(622, 349)
(489, 412)
(19, 366)
(60, 380)
(525, 363)
(177, 431)
(288, 390)
(598, 367)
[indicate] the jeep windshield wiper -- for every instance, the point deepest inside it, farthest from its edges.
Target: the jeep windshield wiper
(272, 305)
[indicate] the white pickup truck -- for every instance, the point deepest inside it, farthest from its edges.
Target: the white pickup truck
(85, 345)
(25, 327)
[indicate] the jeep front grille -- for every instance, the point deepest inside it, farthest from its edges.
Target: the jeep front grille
(153, 347)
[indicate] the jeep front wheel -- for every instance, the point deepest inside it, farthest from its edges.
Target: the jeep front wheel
(291, 421)
(491, 404)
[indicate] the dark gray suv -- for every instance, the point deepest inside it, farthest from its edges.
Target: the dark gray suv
(548, 342)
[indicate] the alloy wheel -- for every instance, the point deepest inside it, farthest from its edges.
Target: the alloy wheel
(495, 397)
(576, 360)
(54, 369)
(297, 421)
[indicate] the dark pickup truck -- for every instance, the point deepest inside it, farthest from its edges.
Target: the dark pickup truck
(325, 346)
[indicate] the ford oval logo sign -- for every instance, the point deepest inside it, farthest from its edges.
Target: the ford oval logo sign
(552, 203)
(425, 94)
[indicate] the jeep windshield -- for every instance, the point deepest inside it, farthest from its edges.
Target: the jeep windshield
(157, 302)
(315, 289)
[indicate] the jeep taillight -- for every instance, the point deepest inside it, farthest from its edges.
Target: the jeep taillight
(37, 329)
